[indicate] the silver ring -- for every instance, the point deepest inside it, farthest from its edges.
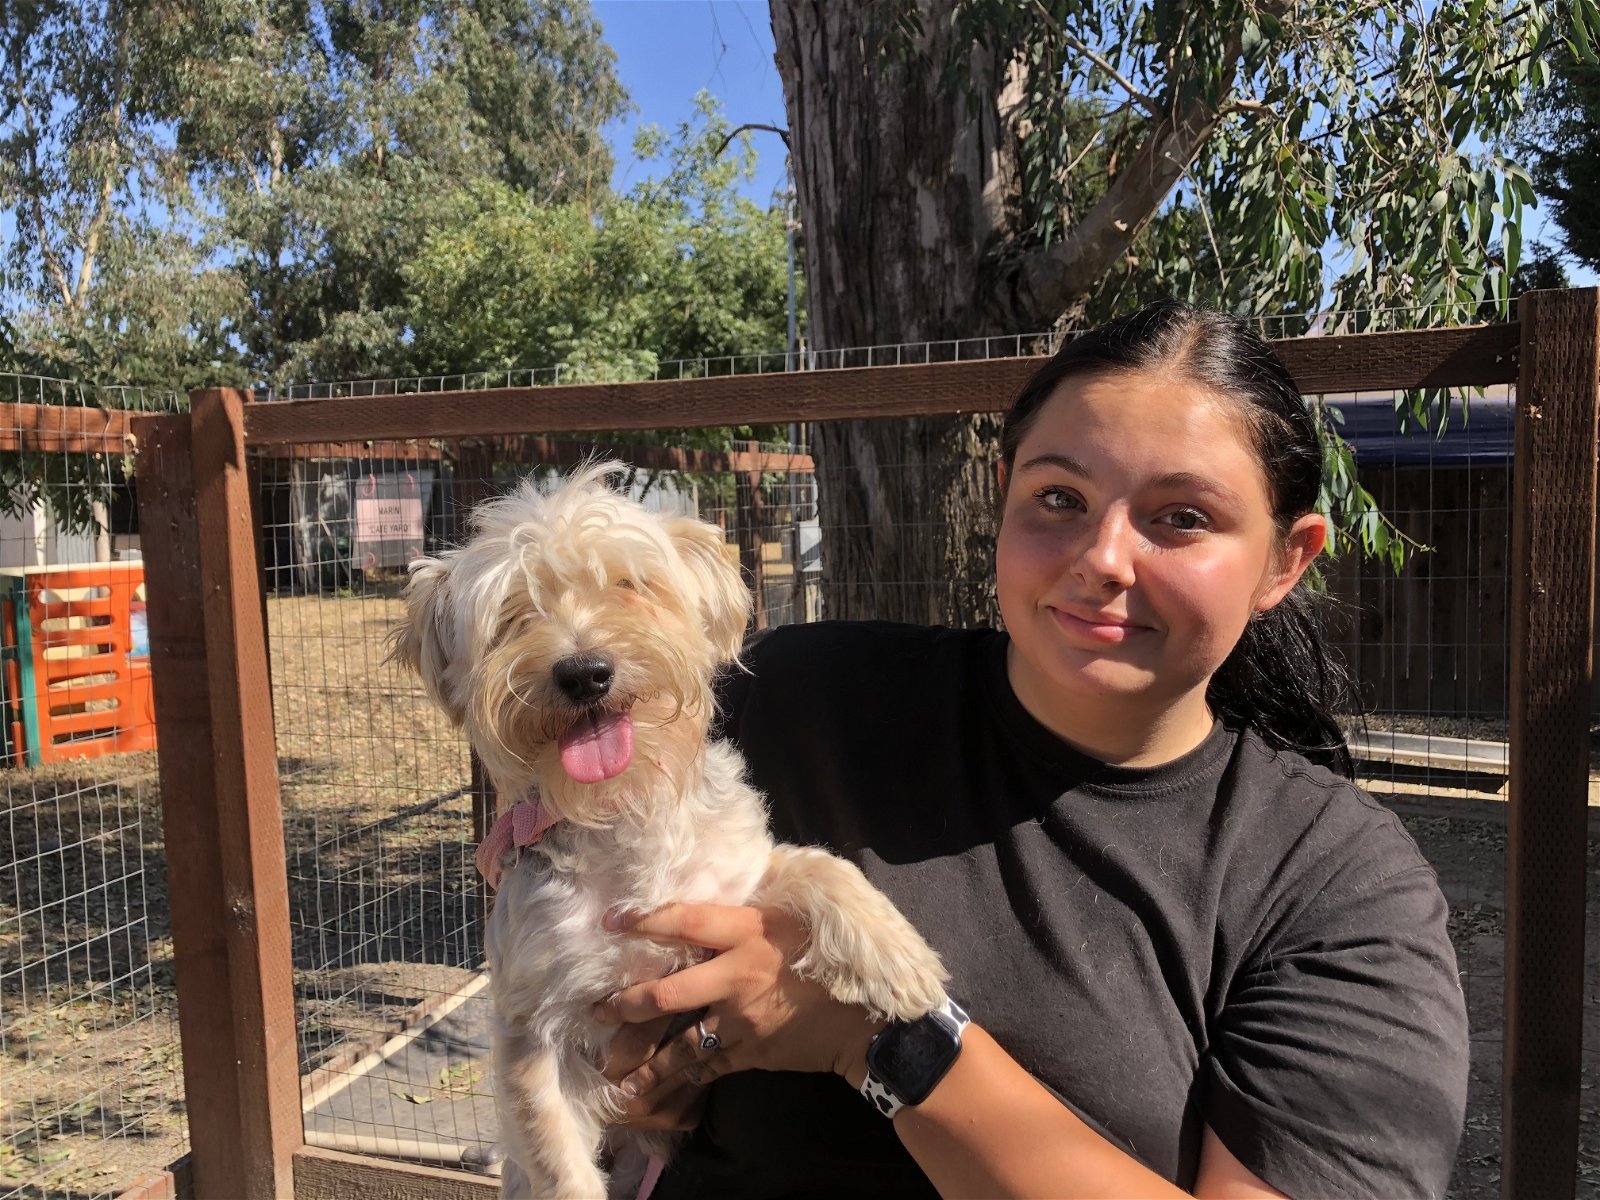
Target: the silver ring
(709, 1042)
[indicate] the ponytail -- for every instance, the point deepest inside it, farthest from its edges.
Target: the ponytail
(1281, 681)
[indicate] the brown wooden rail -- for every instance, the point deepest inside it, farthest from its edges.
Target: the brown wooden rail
(58, 429)
(1479, 354)
(1552, 673)
(230, 921)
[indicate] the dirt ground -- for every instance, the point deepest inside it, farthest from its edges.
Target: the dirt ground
(377, 832)
(377, 828)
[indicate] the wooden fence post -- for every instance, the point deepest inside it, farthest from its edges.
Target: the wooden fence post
(1552, 641)
(227, 881)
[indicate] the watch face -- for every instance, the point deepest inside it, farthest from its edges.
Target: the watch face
(912, 1058)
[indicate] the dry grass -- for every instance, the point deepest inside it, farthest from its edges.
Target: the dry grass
(377, 828)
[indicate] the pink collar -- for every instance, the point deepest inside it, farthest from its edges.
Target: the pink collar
(524, 825)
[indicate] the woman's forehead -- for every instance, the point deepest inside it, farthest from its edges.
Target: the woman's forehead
(1143, 409)
(1149, 427)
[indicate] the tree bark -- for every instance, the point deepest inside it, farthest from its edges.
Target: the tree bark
(911, 197)
(904, 188)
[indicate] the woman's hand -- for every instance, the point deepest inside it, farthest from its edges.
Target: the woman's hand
(675, 1104)
(764, 1015)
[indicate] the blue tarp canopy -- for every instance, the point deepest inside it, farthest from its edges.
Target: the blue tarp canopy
(1480, 433)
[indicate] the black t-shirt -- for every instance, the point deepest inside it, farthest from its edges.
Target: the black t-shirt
(1237, 938)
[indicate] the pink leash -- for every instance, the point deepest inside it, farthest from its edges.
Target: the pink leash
(652, 1176)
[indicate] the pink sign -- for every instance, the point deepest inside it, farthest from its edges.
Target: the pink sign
(387, 520)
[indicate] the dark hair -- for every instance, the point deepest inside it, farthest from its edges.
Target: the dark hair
(1280, 678)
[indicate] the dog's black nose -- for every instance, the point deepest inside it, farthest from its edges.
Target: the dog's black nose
(584, 677)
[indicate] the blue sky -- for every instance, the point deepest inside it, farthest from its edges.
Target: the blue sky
(669, 50)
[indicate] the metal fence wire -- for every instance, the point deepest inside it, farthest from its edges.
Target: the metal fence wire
(379, 795)
(89, 1052)
(382, 805)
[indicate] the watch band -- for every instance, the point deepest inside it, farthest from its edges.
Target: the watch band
(879, 1094)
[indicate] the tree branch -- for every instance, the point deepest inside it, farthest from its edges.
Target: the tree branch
(102, 213)
(733, 133)
(1059, 276)
(1143, 99)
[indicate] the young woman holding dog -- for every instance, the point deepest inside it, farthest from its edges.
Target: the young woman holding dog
(1196, 957)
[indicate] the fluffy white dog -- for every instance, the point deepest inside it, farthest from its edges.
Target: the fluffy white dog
(575, 637)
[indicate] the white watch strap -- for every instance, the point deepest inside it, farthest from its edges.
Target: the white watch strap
(880, 1097)
(877, 1092)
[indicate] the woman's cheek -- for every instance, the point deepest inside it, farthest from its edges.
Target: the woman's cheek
(1211, 597)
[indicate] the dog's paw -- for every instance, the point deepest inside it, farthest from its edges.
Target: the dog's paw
(860, 948)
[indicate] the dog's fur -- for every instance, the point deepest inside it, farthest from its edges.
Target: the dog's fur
(581, 569)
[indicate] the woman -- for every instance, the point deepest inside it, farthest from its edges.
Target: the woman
(1196, 957)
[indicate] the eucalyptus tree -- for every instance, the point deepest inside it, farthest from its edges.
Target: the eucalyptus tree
(1561, 140)
(330, 135)
(101, 283)
(978, 167)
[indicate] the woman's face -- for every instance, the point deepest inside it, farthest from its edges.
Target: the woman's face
(1137, 540)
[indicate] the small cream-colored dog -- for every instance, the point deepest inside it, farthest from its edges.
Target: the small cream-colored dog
(575, 637)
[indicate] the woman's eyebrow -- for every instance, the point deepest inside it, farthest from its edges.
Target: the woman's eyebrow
(1188, 479)
(1065, 461)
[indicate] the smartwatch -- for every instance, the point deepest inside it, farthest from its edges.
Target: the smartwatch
(908, 1059)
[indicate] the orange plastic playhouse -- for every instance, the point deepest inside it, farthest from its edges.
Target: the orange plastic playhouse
(76, 655)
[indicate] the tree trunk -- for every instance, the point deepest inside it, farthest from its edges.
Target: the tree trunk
(904, 188)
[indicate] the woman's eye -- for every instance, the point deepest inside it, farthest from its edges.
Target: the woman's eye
(1055, 499)
(1187, 520)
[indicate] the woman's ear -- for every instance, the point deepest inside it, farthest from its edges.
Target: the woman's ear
(1307, 538)
(1001, 475)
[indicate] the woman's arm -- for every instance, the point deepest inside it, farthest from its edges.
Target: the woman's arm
(988, 1129)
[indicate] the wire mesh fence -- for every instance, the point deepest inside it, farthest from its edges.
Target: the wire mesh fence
(382, 807)
(379, 794)
(1427, 648)
(378, 791)
(93, 1093)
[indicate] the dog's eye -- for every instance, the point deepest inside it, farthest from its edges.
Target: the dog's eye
(627, 583)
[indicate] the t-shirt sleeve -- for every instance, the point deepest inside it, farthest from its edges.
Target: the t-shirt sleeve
(1339, 1065)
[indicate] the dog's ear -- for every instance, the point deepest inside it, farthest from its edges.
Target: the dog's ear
(425, 640)
(724, 601)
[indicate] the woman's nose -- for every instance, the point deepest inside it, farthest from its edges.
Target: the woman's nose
(1105, 558)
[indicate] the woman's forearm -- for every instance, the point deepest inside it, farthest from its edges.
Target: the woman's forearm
(990, 1129)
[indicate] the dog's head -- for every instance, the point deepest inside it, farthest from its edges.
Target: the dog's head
(575, 637)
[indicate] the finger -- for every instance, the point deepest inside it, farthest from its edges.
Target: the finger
(680, 1052)
(683, 991)
(633, 1045)
(707, 1069)
(714, 926)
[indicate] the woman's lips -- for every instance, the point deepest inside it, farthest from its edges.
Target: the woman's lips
(1104, 628)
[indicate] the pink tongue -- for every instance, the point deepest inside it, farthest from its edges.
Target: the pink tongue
(598, 746)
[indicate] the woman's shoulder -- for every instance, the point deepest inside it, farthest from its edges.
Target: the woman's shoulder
(847, 648)
(842, 671)
(1331, 836)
